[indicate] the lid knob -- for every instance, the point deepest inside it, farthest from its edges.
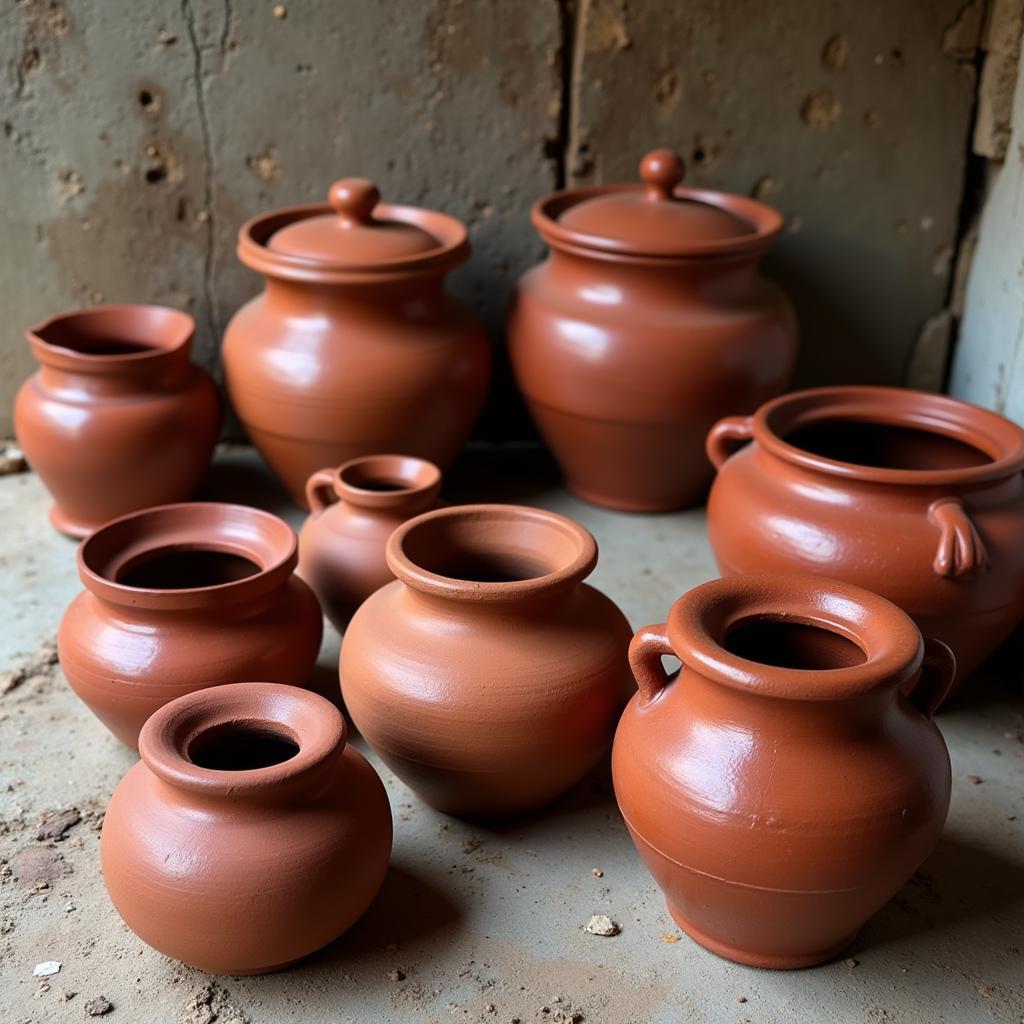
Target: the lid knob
(661, 170)
(354, 199)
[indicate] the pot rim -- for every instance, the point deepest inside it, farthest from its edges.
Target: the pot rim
(423, 477)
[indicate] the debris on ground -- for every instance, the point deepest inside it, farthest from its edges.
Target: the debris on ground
(99, 1006)
(670, 937)
(396, 975)
(975, 780)
(602, 924)
(54, 824)
(851, 962)
(597, 872)
(46, 969)
(39, 665)
(12, 459)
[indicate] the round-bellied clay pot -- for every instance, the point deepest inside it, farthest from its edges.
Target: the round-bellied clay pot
(781, 788)
(116, 418)
(915, 496)
(354, 509)
(488, 676)
(354, 347)
(647, 322)
(183, 597)
(250, 834)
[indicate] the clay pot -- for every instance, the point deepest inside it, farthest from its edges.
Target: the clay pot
(915, 496)
(488, 676)
(781, 789)
(355, 508)
(354, 348)
(250, 834)
(116, 418)
(183, 597)
(648, 321)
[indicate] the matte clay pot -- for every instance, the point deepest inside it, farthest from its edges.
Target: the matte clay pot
(488, 676)
(250, 834)
(116, 418)
(183, 597)
(781, 788)
(648, 321)
(354, 348)
(915, 496)
(355, 508)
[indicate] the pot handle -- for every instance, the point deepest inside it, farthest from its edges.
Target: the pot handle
(961, 550)
(320, 490)
(725, 433)
(938, 670)
(646, 650)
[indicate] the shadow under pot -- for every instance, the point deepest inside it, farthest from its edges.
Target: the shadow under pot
(488, 676)
(116, 418)
(183, 597)
(781, 788)
(918, 497)
(249, 834)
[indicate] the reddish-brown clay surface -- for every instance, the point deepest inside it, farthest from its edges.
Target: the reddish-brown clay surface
(915, 496)
(182, 597)
(354, 509)
(249, 835)
(354, 348)
(781, 788)
(488, 676)
(647, 322)
(116, 418)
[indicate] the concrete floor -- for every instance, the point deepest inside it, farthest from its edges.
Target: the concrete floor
(485, 923)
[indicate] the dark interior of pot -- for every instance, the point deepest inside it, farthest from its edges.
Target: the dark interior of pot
(117, 330)
(788, 644)
(240, 748)
(185, 569)
(389, 473)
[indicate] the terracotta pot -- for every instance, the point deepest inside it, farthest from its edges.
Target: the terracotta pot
(183, 597)
(355, 508)
(647, 322)
(488, 676)
(116, 418)
(354, 348)
(781, 789)
(250, 834)
(915, 496)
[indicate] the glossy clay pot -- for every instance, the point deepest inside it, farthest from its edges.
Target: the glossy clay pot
(116, 418)
(354, 348)
(488, 676)
(250, 834)
(781, 788)
(648, 321)
(183, 597)
(915, 496)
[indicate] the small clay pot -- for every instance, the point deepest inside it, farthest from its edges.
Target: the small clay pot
(354, 509)
(183, 597)
(487, 676)
(782, 788)
(116, 418)
(250, 834)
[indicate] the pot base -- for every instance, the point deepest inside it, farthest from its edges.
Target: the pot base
(622, 505)
(69, 525)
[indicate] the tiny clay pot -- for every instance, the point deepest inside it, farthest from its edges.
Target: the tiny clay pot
(788, 781)
(488, 676)
(354, 509)
(183, 597)
(250, 834)
(116, 418)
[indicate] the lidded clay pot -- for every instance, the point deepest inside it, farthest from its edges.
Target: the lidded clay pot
(182, 597)
(354, 347)
(116, 418)
(250, 834)
(782, 788)
(648, 320)
(354, 509)
(918, 497)
(487, 676)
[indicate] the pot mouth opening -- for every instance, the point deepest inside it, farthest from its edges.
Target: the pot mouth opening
(792, 643)
(383, 479)
(241, 746)
(185, 567)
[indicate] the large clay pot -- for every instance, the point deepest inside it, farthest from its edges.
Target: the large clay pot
(116, 418)
(915, 496)
(488, 676)
(354, 509)
(250, 834)
(647, 322)
(781, 788)
(354, 348)
(183, 597)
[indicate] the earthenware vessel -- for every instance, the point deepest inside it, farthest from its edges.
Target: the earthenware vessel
(488, 676)
(354, 509)
(354, 347)
(250, 834)
(915, 496)
(648, 320)
(183, 597)
(116, 418)
(782, 788)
